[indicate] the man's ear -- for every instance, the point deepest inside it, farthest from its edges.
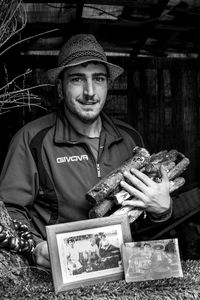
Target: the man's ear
(59, 89)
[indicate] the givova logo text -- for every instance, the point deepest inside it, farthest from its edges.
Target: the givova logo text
(71, 158)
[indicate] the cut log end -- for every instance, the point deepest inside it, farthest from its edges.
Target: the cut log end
(101, 210)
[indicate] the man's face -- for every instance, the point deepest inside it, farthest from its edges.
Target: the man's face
(71, 243)
(84, 89)
(92, 241)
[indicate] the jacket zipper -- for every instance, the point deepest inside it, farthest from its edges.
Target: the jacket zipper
(98, 170)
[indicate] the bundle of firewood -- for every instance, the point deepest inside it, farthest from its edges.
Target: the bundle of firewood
(107, 194)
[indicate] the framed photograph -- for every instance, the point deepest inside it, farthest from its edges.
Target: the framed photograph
(151, 260)
(87, 252)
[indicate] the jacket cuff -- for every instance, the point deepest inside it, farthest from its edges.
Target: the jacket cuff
(156, 218)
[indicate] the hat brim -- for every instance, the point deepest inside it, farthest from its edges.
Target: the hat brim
(114, 70)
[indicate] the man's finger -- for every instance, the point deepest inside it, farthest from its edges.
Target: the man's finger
(132, 190)
(135, 203)
(141, 176)
(163, 172)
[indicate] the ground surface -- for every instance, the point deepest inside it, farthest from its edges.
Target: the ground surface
(39, 286)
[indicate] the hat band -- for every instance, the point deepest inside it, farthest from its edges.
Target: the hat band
(80, 54)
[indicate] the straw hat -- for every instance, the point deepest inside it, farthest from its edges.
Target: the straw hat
(79, 49)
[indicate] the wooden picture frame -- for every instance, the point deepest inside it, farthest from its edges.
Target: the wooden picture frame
(75, 259)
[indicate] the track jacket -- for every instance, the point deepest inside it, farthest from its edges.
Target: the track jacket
(49, 169)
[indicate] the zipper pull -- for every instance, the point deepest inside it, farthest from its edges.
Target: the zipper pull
(98, 170)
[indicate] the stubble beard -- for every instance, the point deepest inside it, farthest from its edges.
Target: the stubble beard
(86, 119)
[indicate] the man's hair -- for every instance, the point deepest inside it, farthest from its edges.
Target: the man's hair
(71, 240)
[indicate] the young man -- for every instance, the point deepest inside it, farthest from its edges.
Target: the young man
(53, 161)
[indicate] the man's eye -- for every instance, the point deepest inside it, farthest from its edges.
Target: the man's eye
(100, 78)
(76, 79)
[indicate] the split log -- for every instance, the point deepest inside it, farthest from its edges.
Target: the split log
(179, 168)
(109, 183)
(175, 164)
(12, 265)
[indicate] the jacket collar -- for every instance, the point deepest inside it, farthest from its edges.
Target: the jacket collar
(65, 133)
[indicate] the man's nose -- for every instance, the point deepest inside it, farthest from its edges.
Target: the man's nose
(89, 88)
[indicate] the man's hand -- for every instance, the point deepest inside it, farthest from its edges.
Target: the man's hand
(149, 195)
(41, 255)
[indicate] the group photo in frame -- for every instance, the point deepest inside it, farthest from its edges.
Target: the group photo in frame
(87, 252)
(151, 260)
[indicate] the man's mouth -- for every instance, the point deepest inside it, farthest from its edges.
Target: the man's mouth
(88, 102)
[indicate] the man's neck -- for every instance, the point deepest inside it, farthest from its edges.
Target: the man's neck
(91, 130)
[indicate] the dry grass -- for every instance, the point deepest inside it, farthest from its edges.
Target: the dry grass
(13, 19)
(39, 286)
(12, 95)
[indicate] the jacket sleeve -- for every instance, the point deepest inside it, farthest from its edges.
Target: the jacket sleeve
(19, 181)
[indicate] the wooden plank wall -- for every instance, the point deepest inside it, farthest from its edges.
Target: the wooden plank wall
(160, 98)
(163, 104)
